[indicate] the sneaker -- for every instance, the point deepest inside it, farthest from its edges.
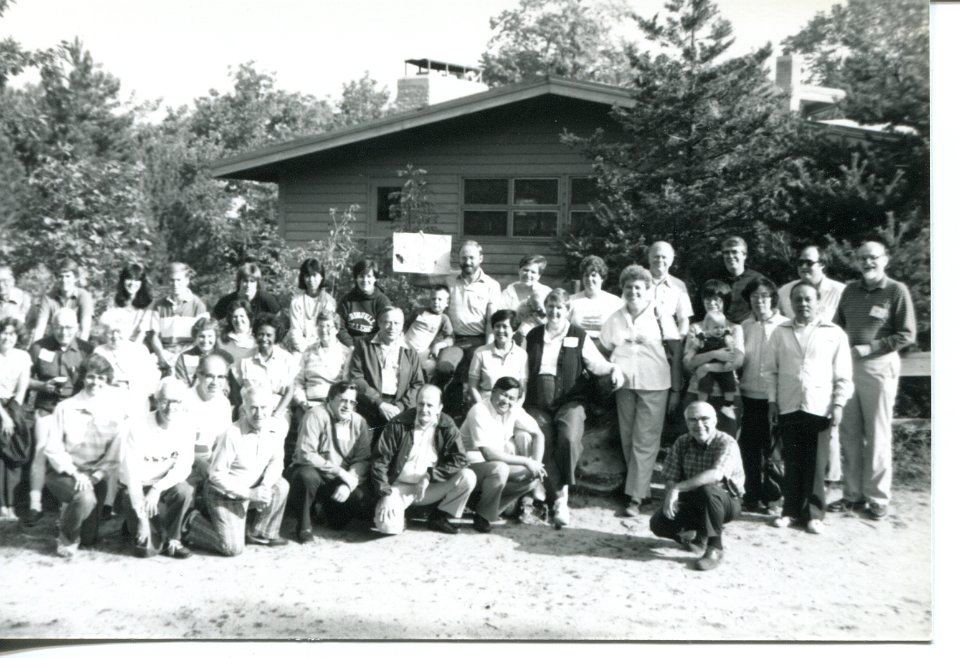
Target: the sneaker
(711, 559)
(480, 524)
(876, 511)
(66, 549)
(561, 513)
(782, 522)
(815, 526)
(7, 514)
(177, 550)
(440, 522)
(632, 510)
(841, 505)
(32, 517)
(528, 515)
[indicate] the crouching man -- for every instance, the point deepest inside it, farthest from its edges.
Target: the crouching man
(505, 450)
(245, 480)
(704, 478)
(331, 462)
(419, 460)
(156, 460)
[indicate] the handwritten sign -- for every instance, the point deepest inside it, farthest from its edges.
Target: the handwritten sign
(421, 253)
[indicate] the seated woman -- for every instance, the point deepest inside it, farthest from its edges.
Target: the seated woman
(82, 452)
(131, 308)
(272, 368)
(249, 289)
(238, 342)
(307, 305)
(15, 365)
(503, 358)
(206, 332)
(526, 295)
(360, 308)
(715, 296)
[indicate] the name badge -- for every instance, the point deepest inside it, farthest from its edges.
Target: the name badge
(46, 356)
(570, 341)
(880, 312)
(191, 361)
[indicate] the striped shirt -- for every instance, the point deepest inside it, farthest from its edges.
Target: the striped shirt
(688, 457)
(881, 317)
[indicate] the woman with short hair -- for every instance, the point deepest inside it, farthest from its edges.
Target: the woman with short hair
(591, 307)
(250, 289)
(206, 335)
(272, 367)
(238, 341)
(307, 305)
(361, 306)
(502, 358)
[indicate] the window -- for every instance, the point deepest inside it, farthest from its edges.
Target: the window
(509, 207)
(384, 201)
(582, 192)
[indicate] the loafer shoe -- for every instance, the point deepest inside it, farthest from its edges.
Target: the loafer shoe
(876, 511)
(692, 543)
(32, 517)
(480, 524)
(841, 505)
(306, 537)
(439, 522)
(632, 510)
(711, 559)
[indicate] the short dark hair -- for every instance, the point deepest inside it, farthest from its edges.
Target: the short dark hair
(717, 288)
(269, 320)
(761, 282)
(365, 265)
(593, 264)
(441, 286)
(204, 324)
(339, 387)
(824, 257)
(506, 384)
(804, 283)
(95, 365)
(534, 259)
(308, 267)
(505, 314)
(248, 272)
(233, 306)
(18, 327)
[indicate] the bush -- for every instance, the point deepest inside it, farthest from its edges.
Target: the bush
(911, 454)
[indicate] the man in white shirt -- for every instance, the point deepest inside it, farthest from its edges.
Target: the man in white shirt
(211, 412)
(157, 458)
(504, 448)
(811, 264)
(809, 378)
(419, 460)
(245, 477)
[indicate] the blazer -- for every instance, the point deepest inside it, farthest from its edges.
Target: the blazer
(366, 374)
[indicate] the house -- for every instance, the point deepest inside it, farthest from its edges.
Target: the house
(497, 170)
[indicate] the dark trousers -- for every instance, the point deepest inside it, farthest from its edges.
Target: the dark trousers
(756, 445)
(705, 510)
(308, 485)
(9, 479)
(804, 490)
(175, 502)
(563, 442)
(80, 519)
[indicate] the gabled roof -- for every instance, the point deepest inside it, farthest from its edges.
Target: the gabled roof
(239, 165)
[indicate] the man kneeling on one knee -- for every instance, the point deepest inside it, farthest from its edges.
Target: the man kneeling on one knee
(704, 478)
(245, 477)
(505, 449)
(419, 460)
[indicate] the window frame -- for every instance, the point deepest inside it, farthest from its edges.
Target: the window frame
(511, 207)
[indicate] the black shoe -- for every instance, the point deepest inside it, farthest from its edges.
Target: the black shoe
(32, 517)
(693, 543)
(142, 548)
(177, 551)
(266, 541)
(441, 523)
(306, 536)
(710, 560)
(841, 505)
(480, 524)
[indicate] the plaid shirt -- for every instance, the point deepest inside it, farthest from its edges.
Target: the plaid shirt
(86, 434)
(688, 458)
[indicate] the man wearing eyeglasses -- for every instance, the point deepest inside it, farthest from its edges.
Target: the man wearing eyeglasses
(877, 314)
(331, 462)
(811, 264)
(704, 480)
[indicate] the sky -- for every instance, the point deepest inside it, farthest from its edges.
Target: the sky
(177, 50)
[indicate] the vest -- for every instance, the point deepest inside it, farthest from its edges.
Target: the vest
(571, 382)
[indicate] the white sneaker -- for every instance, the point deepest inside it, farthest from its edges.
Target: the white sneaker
(561, 513)
(781, 522)
(729, 412)
(815, 526)
(65, 549)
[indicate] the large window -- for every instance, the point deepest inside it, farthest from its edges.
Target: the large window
(511, 207)
(582, 192)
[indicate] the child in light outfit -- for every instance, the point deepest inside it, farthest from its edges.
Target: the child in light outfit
(431, 330)
(526, 295)
(716, 335)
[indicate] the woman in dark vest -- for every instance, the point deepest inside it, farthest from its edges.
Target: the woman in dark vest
(559, 356)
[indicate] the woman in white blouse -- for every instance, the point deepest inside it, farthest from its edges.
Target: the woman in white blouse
(15, 367)
(307, 305)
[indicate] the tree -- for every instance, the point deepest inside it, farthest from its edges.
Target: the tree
(878, 51)
(362, 100)
(567, 38)
(700, 149)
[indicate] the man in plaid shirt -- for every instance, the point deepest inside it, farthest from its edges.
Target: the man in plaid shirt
(704, 480)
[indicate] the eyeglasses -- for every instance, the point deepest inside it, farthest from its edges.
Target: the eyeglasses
(806, 262)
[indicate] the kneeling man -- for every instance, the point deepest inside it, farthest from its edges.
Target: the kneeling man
(505, 449)
(245, 476)
(704, 479)
(419, 460)
(331, 461)
(156, 462)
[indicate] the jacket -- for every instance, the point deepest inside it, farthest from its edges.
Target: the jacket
(366, 374)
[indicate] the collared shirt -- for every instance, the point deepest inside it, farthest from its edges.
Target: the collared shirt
(688, 458)
(174, 319)
(423, 455)
(15, 305)
(14, 370)
(50, 360)
(275, 372)
(484, 427)
(808, 368)
(85, 435)
(756, 334)
(134, 322)
(881, 317)
(427, 327)
(739, 307)
(551, 353)
(389, 358)
(490, 364)
(245, 458)
(636, 345)
(324, 442)
(80, 301)
(319, 368)
(673, 300)
(690, 347)
(212, 418)
(155, 456)
(470, 302)
(830, 292)
(589, 313)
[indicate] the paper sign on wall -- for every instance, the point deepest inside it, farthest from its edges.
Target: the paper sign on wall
(422, 253)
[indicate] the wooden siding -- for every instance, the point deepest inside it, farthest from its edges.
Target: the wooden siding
(522, 140)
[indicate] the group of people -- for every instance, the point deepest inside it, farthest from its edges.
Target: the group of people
(200, 427)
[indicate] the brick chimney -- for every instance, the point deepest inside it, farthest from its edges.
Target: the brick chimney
(435, 82)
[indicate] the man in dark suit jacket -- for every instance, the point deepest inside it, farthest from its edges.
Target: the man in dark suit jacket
(385, 371)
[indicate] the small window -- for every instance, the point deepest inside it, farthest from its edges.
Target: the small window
(485, 222)
(537, 224)
(535, 192)
(486, 191)
(384, 201)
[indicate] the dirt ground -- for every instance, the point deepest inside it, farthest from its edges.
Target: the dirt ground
(603, 577)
